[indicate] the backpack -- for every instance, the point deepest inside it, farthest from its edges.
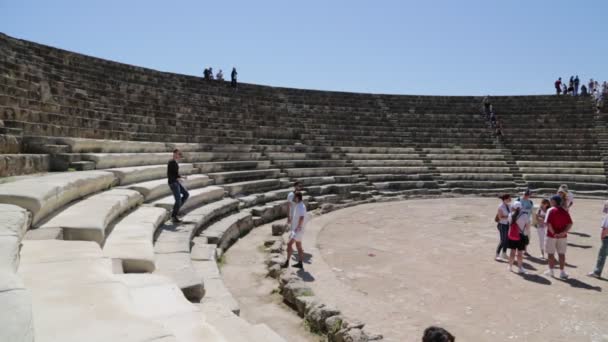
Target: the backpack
(514, 233)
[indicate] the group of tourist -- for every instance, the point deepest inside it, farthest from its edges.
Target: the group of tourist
(553, 222)
(208, 76)
(593, 89)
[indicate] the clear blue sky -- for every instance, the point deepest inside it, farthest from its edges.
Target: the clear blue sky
(449, 47)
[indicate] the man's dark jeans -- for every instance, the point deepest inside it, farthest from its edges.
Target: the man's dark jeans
(180, 194)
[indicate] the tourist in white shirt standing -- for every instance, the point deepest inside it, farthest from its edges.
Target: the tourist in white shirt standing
(603, 252)
(298, 222)
(291, 204)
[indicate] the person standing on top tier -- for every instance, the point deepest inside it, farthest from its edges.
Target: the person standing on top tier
(576, 83)
(558, 223)
(603, 252)
(175, 183)
(558, 86)
(298, 222)
(502, 220)
(233, 76)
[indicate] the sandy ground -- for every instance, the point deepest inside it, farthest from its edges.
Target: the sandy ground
(403, 266)
(244, 274)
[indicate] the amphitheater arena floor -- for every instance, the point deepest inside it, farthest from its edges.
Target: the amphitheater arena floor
(402, 266)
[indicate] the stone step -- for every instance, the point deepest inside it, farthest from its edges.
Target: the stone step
(264, 197)
(226, 231)
(486, 157)
(82, 166)
(89, 219)
(197, 198)
(45, 194)
(477, 176)
(560, 164)
(310, 163)
(250, 187)
(470, 163)
(131, 240)
(475, 170)
(378, 178)
(394, 170)
(413, 155)
(319, 172)
(14, 294)
(136, 174)
(56, 149)
(158, 299)
(308, 181)
(405, 185)
(73, 277)
(480, 184)
(240, 176)
(232, 166)
(177, 238)
(21, 164)
(566, 178)
(155, 189)
(231, 326)
(387, 163)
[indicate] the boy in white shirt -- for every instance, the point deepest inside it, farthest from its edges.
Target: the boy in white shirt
(603, 252)
(297, 187)
(298, 222)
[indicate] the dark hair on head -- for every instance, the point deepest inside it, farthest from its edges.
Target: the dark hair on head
(504, 196)
(437, 334)
(298, 195)
(296, 183)
(176, 150)
(545, 201)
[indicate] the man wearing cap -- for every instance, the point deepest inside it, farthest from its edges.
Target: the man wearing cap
(558, 223)
(603, 252)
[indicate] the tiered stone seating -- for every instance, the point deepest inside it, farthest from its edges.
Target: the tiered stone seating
(242, 152)
(554, 142)
(15, 298)
(43, 195)
(76, 297)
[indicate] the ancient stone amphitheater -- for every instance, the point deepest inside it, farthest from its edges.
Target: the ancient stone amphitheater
(86, 252)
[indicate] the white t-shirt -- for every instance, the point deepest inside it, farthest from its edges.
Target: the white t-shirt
(291, 202)
(604, 224)
(299, 211)
(504, 211)
(522, 221)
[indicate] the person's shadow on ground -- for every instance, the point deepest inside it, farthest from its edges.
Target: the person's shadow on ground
(535, 278)
(305, 276)
(579, 246)
(580, 234)
(307, 258)
(580, 284)
(536, 260)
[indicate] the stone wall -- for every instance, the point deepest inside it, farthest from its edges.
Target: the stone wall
(53, 92)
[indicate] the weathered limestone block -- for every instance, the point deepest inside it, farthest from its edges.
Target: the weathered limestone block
(197, 198)
(88, 219)
(131, 241)
(45, 194)
(135, 174)
(295, 289)
(279, 229)
(317, 315)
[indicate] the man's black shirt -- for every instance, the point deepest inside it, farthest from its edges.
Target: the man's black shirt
(172, 171)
